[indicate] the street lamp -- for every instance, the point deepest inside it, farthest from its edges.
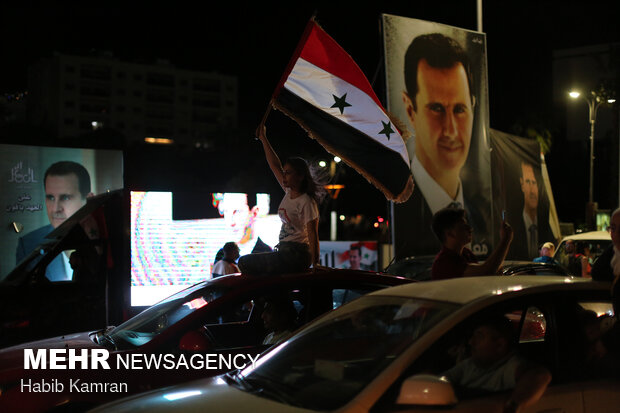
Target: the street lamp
(595, 99)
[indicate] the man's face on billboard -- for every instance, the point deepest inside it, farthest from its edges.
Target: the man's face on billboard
(529, 186)
(443, 118)
(62, 197)
(355, 259)
(236, 214)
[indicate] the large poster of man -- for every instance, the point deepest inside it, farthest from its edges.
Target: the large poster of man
(437, 87)
(520, 194)
(42, 187)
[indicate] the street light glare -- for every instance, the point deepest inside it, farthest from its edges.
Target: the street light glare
(322, 164)
(574, 94)
(337, 159)
(611, 100)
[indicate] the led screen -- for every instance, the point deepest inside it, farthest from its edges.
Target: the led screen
(168, 255)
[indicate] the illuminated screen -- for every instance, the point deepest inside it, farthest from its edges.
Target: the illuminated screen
(168, 255)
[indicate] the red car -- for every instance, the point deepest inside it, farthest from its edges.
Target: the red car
(213, 321)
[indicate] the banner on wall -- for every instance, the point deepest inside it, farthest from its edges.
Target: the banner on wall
(436, 81)
(521, 188)
(30, 212)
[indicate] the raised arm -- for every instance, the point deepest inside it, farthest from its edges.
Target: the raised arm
(531, 383)
(492, 264)
(270, 154)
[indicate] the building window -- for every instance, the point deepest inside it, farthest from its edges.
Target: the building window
(207, 85)
(206, 101)
(159, 79)
(94, 90)
(95, 72)
(160, 96)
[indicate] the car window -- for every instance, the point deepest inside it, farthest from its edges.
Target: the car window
(593, 248)
(238, 313)
(587, 331)
(325, 366)
(250, 308)
(534, 326)
(468, 344)
(342, 296)
(153, 321)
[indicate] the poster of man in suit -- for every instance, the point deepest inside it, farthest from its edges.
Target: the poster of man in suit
(43, 186)
(520, 191)
(437, 88)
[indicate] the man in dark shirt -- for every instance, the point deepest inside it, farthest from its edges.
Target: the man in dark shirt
(455, 259)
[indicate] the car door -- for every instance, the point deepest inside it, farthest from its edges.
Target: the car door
(586, 323)
(535, 340)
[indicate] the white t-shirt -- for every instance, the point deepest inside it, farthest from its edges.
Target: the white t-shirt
(273, 338)
(224, 267)
(500, 376)
(295, 214)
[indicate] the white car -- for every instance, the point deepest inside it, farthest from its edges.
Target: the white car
(594, 241)
(386, 352)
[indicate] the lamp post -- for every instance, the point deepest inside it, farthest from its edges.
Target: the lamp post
(594, 100)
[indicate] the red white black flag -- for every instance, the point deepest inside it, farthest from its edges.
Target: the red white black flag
(327, 94)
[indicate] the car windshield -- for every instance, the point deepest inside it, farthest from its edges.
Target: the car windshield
(592, 248)
(325, 366)
(153, 321)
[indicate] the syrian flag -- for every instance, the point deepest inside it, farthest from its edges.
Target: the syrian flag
(327, 94)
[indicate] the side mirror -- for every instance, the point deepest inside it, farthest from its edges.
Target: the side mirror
(427, 390)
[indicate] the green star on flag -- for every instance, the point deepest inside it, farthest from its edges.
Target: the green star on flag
(340, 103)
(387, 129)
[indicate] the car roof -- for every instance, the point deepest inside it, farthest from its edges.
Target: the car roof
(463, 290)
(247, 280)
(588, 236)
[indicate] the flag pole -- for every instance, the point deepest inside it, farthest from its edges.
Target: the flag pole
(290, 64)
(267, 112)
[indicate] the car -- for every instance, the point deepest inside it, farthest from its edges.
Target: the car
(533, 268)
(416, 268)
(31, 304)
(594, 241)
(419, 268)
(387, 351)
(220, 318)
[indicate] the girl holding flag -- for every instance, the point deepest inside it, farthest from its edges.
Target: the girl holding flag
(299, 236)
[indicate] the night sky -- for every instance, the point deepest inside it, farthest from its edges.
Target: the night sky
(255, 42)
